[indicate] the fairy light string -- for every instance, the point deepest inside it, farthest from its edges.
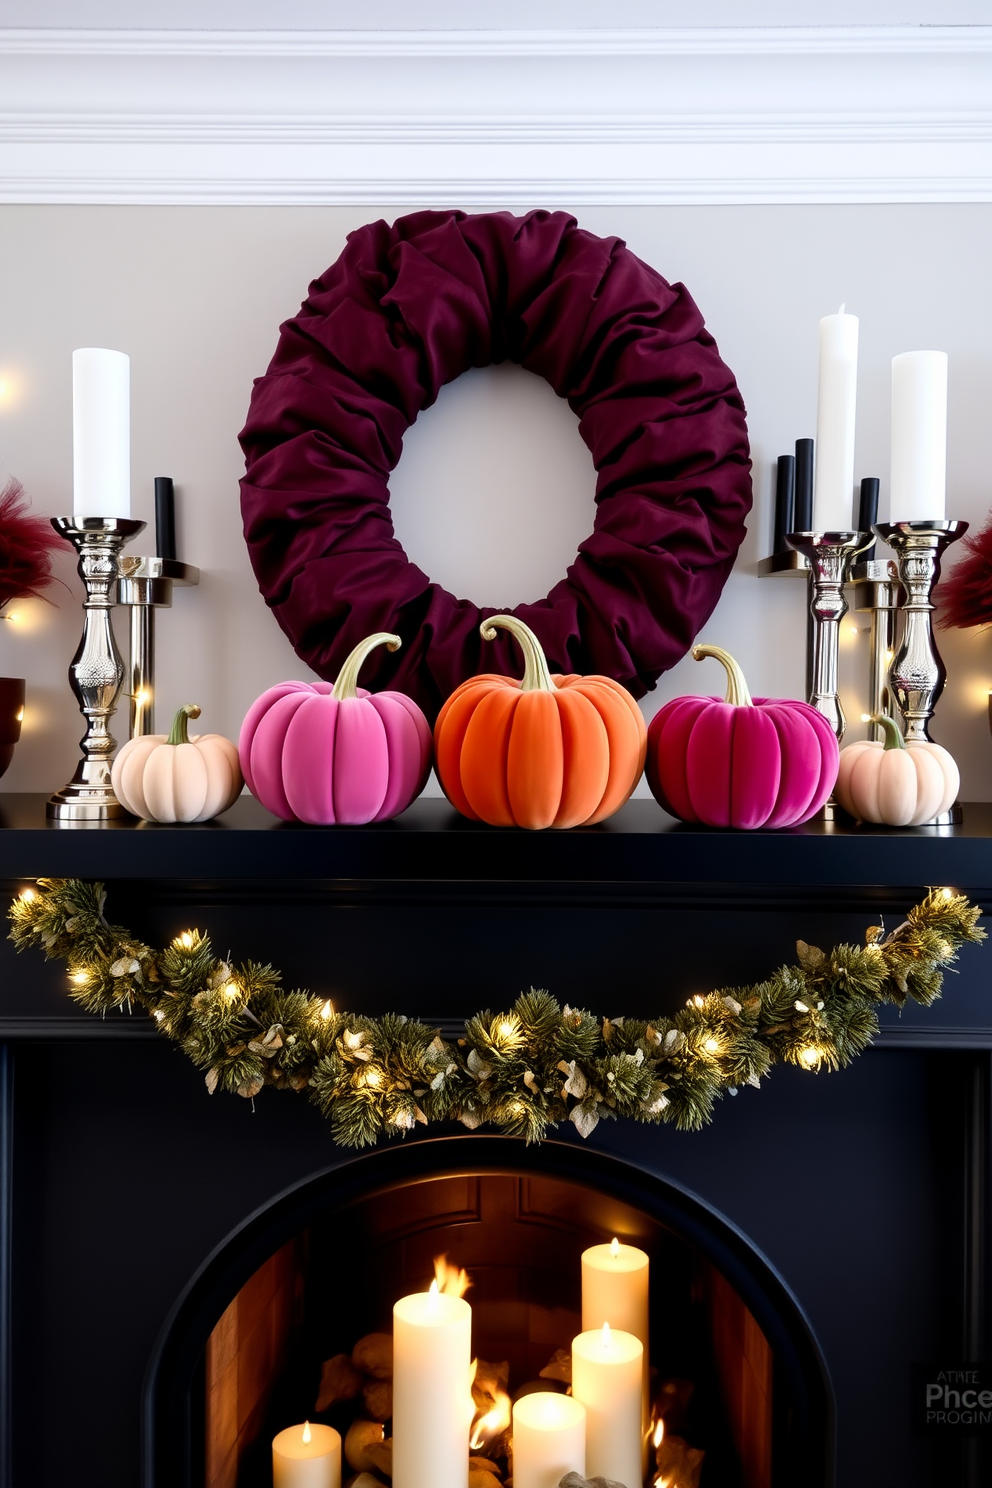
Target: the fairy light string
(521, 1071)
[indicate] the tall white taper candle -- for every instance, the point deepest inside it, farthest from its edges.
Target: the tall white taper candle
(432, 1393)
(606, 1378)
(101, 433)
(615, 1291)
(918, 479)
(836, 407)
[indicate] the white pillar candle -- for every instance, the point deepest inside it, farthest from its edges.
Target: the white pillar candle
(606, 1379)
(101, 433)
(306, 1457)
(919, 437)
(549, 1439)
(833, 483)
(432, 1396)
(615, 1291)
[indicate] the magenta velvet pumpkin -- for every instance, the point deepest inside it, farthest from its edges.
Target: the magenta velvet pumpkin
(738, 762)
(315, 753)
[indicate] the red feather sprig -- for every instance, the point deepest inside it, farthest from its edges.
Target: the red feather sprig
(964, 596)
(26, 547)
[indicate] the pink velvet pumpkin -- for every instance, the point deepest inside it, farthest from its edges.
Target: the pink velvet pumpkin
(315, 753)
(739, 762)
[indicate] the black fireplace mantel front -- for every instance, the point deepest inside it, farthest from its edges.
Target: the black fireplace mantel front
(868, 1190)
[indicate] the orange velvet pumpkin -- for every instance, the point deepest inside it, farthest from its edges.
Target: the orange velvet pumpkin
(546, 751)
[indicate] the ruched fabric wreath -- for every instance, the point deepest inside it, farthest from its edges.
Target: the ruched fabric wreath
(408, 308)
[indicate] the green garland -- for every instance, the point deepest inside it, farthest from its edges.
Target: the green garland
(521, 1071)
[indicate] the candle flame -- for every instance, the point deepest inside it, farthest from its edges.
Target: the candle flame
(614, 1247)
(19, 715)
(605, 1338)
(449, 1280)
(433, 1293)
(495, 1420)
(659, 1433)
(307, 1433)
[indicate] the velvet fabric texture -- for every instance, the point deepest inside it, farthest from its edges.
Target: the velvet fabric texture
(772, 763)
(409, 307)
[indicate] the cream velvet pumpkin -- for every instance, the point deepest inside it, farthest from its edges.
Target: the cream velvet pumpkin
(893, 782)
(175, 778)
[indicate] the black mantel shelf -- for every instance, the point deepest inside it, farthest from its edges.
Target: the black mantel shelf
(431, 843)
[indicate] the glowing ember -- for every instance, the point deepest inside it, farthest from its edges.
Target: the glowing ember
(307, 1433)
(449, 1279)
(495, 1421)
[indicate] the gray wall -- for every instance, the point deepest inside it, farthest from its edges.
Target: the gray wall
(495, 487)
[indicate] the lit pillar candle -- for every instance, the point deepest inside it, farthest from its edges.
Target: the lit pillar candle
(432, 1399)
(833, 486)
(919, 437)
(549, 1439)
(101, 433)
(306, 1457)
(615, 1291)
(606, 1379)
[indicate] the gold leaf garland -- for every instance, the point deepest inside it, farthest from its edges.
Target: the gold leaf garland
(520, 1071)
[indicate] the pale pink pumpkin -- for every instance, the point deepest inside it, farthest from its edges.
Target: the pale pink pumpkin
(894, 781)
(315, 753)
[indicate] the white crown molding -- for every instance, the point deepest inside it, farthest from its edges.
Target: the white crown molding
(495, 193)
(694, 41)
(833, 114)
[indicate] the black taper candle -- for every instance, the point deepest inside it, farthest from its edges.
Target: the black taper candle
(785, 496)
(802, 514)
(868, 512)
(165, 516)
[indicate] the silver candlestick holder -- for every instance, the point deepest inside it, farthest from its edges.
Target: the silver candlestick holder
(917, 675)
(145, 586)
(96, 672)
(830, 556)
(877, 592)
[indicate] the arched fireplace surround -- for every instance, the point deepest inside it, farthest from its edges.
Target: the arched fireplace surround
(802, 1415)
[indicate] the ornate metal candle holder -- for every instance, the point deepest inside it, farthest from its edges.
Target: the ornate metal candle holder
(830, 555)
(917, 675)
(146, 585)
(97, 672)
(878, 592)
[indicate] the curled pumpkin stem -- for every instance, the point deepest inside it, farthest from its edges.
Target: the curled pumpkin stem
(346, 685)
(180, 732)
(537, 677)
(891, 730)
(738, 693)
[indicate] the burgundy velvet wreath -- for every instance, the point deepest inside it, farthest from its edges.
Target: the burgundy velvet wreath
(408, 308)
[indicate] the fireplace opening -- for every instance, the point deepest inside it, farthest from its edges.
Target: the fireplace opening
(736, 1373)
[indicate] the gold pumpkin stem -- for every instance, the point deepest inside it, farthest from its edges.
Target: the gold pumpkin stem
(180, 733)
(737, 688)
(891, 730)
(346, 685)
(537, 677)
